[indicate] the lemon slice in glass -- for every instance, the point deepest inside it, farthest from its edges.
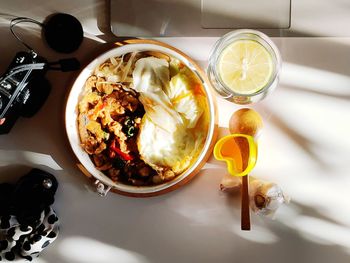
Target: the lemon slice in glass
(245, 66)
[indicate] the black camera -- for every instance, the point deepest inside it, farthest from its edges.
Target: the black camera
(23, 88)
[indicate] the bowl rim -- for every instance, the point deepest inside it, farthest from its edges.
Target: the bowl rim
(88, 168)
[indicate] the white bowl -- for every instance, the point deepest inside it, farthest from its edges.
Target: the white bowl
(71, 114)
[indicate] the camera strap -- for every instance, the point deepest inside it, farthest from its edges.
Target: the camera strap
(19, 20)
(28, 68)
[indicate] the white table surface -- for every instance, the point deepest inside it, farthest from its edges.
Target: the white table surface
(304, 147)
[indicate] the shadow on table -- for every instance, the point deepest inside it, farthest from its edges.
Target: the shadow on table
(185, 225)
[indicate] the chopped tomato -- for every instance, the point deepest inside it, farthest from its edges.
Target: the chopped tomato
(181, 65)
(98, 108)
(125, 156)
(198, 89)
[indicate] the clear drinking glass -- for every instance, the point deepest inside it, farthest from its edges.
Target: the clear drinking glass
(245, 47)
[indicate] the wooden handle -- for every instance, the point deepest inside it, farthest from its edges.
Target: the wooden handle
(245, 213)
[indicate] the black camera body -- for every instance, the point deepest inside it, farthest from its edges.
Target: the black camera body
(23, 88)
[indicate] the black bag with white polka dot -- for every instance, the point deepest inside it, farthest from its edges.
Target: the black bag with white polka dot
(28, 224)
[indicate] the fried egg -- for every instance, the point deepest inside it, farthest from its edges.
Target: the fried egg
(170, 133)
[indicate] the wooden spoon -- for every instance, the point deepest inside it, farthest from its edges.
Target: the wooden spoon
(245, 212)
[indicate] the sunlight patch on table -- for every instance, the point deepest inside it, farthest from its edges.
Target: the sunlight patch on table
(11, 157)
(80, 249)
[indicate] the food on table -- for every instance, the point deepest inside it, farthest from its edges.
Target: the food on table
(246, 121)
(143, 118)
(245, 66)
(230, 183)
(265, 197)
